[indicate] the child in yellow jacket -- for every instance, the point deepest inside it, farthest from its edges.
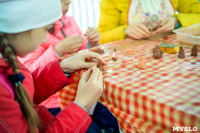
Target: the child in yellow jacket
(137, 19)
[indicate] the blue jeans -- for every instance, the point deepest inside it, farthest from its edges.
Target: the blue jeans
(102, 120)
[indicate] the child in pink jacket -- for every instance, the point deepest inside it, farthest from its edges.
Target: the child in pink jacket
(64, 38)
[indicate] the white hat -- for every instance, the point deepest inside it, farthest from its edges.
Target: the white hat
(22, 15)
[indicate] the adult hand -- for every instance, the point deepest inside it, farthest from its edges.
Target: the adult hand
(78, 61)
(89, 90)
(93, 36)
(69, 45)
(167, 25)
(137, 31)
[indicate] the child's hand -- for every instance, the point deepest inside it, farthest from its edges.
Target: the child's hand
(93, 36)
(89, 91)
(167, 25)
(78, 61)
(69, 45)
(137, 31)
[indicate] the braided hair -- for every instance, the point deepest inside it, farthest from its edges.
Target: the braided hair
(21, 95)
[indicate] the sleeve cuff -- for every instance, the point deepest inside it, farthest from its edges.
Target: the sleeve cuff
(81, 106)
(178, 25)
(60, 74)
(88, 45)
(79, 109)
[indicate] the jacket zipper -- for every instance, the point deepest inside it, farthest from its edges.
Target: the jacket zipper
(61, 28)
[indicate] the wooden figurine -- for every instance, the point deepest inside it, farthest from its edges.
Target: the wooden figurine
(142, 63)
(114, 58)
(181, 53)
(194, 51)
(157, 53)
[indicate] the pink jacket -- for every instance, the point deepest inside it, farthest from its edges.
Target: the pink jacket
(46, 53)
(73, 119)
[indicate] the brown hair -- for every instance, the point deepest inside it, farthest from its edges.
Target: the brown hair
(21, 95)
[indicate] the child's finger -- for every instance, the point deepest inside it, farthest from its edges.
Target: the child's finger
(144, 28)
(83, 77)
(93, 34)
(164, 22)
(164, 28)
(89, 30)
(89, 55)
(135, 35)
(94, 75)
(100, 77)
(96, 39)
(89, 74)
(142, 33)
(87, 64)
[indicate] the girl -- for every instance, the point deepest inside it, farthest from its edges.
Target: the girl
(21, 91)
(64, 38)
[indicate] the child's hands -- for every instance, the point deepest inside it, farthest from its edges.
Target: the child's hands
(137, 31)
(167, 25)
(93, 36)
(89, 91)
(78, 61)
(69, 45)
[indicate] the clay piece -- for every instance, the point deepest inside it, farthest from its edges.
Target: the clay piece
(154, 29)
(157, 53)
(100, 66)
(114, 58)
(194, 51)
(142, 63)
(98, 50)
(115, 50)
(181, 53)
(166, 35)
(128, 51)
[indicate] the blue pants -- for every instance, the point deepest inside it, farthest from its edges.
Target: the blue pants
(102, 120)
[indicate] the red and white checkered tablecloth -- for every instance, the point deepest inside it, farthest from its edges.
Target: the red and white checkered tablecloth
(164, 95)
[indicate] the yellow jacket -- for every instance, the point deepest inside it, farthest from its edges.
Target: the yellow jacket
(113, 17)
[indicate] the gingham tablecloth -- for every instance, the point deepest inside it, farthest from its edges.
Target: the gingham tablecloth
(164, 95)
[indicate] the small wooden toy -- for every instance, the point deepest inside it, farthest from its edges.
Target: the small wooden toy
(157, 53)
(114, 58)
(194, 51)
(142, 63)
(181, 53)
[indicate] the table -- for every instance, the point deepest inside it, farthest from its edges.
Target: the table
(164, 95)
